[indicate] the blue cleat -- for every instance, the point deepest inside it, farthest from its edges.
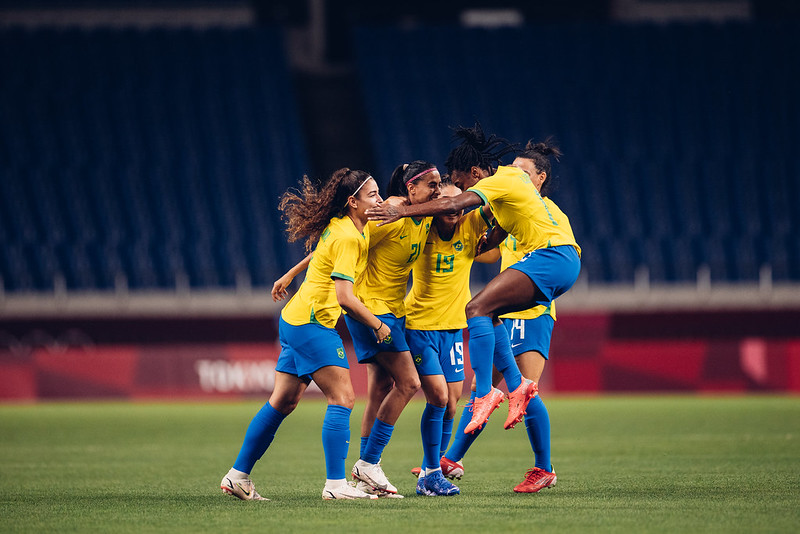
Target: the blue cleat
(421, 490)
(436, 485)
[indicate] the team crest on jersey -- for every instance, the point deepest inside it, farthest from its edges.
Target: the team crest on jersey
(418, 359)
(458, 245)
(340, 352)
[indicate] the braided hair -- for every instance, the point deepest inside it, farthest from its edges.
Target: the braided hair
(476, 150)
(540, 154)
(308, 210)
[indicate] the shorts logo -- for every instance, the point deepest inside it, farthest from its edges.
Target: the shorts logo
(388, 339)
(340, 352)
(458, 245)
(418, 359)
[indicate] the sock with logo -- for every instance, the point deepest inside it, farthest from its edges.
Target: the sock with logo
(379, 437)
(481, 352)
(504, 358)
(431, 430)
(461, 441)
(258, 437)
(537, 422)
(336, 440)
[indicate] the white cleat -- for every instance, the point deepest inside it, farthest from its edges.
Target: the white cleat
(242, 489)
(345, 491)
(366, 488)
(373, 475)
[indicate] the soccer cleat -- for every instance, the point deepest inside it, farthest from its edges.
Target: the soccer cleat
(536, 479)
(421, 489)
(438, 486)
(450, 469)
(242, 489)
(518, 402)
(416, 471)
(366, 488)
(482, 408)
(373, 475)
(345, 491)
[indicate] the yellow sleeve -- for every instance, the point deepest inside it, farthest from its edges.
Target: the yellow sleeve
(344, 256)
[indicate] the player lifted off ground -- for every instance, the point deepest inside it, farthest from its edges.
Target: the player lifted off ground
(529, 332)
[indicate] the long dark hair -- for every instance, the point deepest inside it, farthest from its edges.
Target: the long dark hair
(309, 209)
(540, 154)
(398, 183)
(476, 150)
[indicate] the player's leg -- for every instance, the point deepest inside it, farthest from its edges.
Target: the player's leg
(534, 341)
(338, 389)
(379, 384)
(406, 383)
(260, 433)
(510, 290)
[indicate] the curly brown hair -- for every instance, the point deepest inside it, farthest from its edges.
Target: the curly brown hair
(309, 209)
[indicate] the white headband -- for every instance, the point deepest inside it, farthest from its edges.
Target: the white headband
(358, 188)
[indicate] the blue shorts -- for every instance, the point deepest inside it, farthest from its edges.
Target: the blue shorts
(365, 344)
(438, 352)
(553, 270)
(530, 334)
(307, 348)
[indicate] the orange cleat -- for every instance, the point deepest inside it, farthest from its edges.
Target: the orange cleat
(518, 402)
(536, 479)
(482, 408)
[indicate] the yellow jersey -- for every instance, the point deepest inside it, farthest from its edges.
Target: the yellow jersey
(521, 211)
(340, 253)
(440, 288)
(393, 249)
(511, 253)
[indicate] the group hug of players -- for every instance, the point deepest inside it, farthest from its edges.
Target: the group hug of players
(362, 250)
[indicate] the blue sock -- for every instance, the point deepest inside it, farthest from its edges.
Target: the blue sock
(504, 358)
(431, 430)
(379, 436)
(537, 422)
(363, 447)
(481, 352)
(447, 433)
(461, 441)
(336, 440)
(259, 435)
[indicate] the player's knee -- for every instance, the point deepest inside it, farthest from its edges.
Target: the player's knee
(285, 405)
(344, 399)
(409, 386)
(474, 309)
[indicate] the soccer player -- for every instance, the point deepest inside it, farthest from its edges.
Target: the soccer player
(392, 379)
(333, 217)
(529, 332)
(546, 272)
(434, 322)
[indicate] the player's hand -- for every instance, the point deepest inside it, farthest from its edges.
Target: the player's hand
(279, 288)
(386, 213)
(383, 333)
(482, 245)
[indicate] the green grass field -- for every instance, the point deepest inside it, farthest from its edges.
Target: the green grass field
(625, 464)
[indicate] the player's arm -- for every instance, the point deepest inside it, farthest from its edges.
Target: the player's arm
(441, 206)
(490, 256)
(491, 240)
(356, 309)
(279, 288)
